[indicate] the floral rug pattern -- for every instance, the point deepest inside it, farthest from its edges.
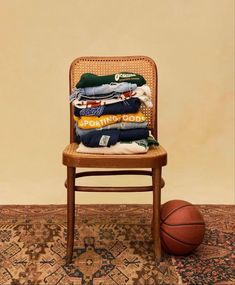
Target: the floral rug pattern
(113, 246)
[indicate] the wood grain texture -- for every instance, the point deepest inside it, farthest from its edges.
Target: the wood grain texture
(112, 173)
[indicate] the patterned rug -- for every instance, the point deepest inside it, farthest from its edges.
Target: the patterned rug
(113, 246)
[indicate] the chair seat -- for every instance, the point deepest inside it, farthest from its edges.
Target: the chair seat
(155, 157)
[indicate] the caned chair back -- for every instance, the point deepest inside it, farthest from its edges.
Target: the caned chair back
(109, 65)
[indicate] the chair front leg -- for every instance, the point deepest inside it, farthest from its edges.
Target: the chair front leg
(156, 179)
(70, 212)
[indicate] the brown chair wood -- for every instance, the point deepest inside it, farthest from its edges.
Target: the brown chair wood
(154, 159)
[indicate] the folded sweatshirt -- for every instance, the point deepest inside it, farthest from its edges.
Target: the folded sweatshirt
(120, 126)
(122, 147)
(94, 122)
(141, 92)
(105, 91)
(132, 147)
(112, 136)
(90, 79)
(128, 106)
(99, 102)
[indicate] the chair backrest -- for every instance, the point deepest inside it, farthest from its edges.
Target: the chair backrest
(109, 65)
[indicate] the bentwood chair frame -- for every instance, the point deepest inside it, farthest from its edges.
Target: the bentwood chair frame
(154, 159)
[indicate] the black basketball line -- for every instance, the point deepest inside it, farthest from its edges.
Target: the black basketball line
(164, 245)
(175, 211)
(192, 224)
(187, 243)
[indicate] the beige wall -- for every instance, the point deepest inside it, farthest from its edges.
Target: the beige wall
(192, 43)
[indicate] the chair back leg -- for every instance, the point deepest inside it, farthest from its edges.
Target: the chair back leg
(70, 212)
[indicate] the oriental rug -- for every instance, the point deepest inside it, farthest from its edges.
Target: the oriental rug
(113, 246)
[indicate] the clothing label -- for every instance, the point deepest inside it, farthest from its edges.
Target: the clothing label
(123, 75)
(104, 140)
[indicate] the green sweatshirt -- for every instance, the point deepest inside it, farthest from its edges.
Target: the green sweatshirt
(91, 80)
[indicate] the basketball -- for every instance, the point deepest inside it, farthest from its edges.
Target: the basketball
(182, 227)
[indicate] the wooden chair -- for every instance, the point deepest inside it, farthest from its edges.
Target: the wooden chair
(154, 159)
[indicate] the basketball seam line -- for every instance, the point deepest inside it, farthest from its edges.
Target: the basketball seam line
(163, 220)
(164, 245)
(187, 243)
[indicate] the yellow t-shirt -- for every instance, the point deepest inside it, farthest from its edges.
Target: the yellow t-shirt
(94, 122)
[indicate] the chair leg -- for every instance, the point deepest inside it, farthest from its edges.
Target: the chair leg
(70, 212)
(156, 178)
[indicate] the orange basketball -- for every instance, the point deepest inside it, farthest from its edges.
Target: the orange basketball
(182, 227)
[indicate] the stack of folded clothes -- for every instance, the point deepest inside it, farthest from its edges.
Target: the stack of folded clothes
(107, 114)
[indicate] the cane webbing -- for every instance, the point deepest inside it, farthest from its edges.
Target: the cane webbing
(108, 65)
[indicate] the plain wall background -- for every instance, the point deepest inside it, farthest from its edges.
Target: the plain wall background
(192, 42)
